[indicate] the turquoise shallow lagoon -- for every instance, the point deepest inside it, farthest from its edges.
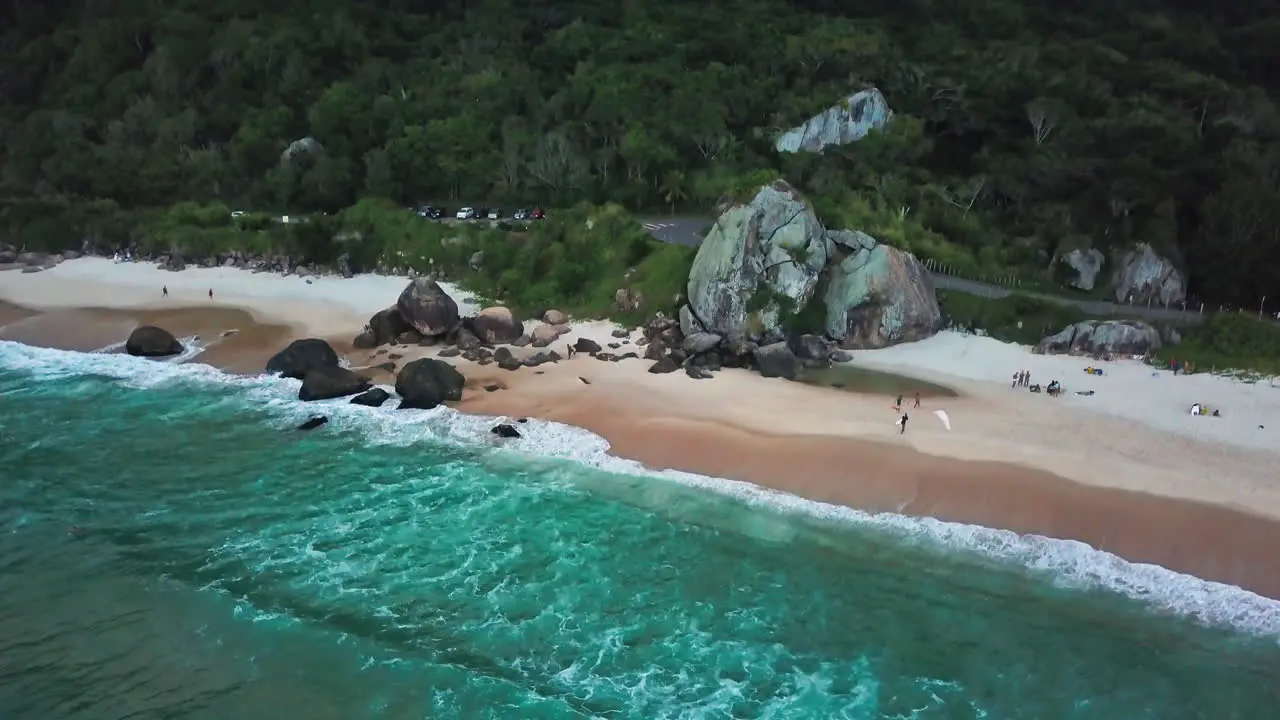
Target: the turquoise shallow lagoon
(399, 565)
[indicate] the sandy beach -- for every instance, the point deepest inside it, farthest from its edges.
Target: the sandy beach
(1126, 469)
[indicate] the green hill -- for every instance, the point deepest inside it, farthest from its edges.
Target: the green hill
(1021, 128)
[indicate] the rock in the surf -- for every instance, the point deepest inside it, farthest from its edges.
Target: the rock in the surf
(428, 308)
(301, 357)
(327, 383)
(151, 341)
(504, 430)
(426, 383)
(371, 398)
(313, 423)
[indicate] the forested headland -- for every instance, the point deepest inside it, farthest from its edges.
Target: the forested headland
(1022, 128)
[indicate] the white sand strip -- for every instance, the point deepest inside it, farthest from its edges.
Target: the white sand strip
(1127, 388)
(320, 304)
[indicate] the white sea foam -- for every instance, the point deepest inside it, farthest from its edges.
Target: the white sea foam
(1072, 563)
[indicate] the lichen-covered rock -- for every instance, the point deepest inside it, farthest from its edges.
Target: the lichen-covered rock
(842, 124)
(878, 296)
(428, 308)
(1091, 337)
(760, 260)
(1143, 276)
(1086, 265)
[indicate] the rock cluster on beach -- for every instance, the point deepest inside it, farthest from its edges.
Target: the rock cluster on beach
(31, 262)
(1101, 339)
(769, 270)
(672, 345)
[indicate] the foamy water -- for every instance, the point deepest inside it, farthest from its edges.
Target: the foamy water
(1066, 563)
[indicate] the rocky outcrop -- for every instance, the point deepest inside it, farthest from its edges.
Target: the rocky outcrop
(426, 383)
(300, 147)
(496, 325)
(763, 263)
(1094, 338)
(1143, 276)
(760, 260)
(428, 308)
(1085, 265)
(301, 357)
(386, 325)
(842, 124)
(877, 295)
(329, 382)
(151, 341)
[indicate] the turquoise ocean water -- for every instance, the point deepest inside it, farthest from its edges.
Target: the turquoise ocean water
(398, 565)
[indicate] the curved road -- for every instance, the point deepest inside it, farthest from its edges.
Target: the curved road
(690, 231)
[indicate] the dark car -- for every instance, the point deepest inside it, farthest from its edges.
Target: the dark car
(538, 214)
(430, 211)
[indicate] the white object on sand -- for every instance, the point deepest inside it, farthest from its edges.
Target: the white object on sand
(942, 415)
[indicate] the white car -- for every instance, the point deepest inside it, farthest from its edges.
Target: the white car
(495, 214)
(466, 214)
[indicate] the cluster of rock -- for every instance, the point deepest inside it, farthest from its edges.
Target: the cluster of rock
(1141, 275)
(279, 264)
(673, 345)
(421, 384)
(769, 273)
(30, 262)
(1102, 339)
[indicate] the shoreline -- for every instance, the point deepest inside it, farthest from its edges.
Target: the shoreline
(1187, 504)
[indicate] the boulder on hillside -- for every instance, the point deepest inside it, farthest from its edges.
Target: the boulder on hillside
(426, 383)
(878, 295)
(151, 341)
(1143, 276)
(1085, 265)
(301, 357)
(1110, 337)
(758, 257)
(331, 381)
(847, 122)
(428, 308)
(497, 325)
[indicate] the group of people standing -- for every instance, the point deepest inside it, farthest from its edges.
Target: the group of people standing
(1022, 378)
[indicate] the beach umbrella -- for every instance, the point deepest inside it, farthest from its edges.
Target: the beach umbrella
(942, 415)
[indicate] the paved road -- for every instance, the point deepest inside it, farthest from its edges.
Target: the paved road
(690, 231)
(680, 231)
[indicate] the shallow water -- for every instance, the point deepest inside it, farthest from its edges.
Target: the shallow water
(395, 565)
(878, 382)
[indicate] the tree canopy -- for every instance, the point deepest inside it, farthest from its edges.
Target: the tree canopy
(1022, 128)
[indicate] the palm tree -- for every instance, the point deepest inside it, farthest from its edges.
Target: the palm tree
(673, 189)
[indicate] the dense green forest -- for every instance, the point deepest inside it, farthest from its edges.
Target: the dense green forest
(1022, 127)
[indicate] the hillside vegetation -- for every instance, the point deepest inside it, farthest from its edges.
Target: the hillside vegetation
(1022, 128)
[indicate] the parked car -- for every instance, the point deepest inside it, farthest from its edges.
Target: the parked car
(538, 214)
(494, 214)
(430, 211)
(521, 214)
(466, 213)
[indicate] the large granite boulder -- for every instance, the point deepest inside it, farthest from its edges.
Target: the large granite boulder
(1110, 337)
(386, 325)
(841, 124)
(877, 295)
(1143, 276)
(1085, 265)
(331, 381)
(497, 325)
(426, 383)
(760, 262)
(428, 308)
(151, 341)
(301, 357)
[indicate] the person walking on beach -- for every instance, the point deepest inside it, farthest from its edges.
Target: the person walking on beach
(898, 405)
(917, 399)
(903, 424)
(210, 293)
(165, 291)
